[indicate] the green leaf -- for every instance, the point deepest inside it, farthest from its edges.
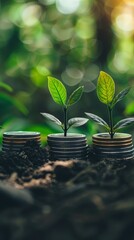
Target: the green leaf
(124, 123)
(75, 96)
(105, 88)
(57, 91)
(52, 118)
(120, 96)
(98, 120)
(76, 122)
(6, 87)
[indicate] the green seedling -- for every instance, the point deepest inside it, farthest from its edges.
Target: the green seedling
(106, 95)
(59, 95)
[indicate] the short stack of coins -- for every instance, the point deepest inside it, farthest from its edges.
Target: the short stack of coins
(70, 147)
(16, 140)
(120, 147)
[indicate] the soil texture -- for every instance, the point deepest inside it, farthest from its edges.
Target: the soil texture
(65, 200)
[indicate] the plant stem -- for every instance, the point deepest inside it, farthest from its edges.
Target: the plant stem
(65, 121)
(111, 121)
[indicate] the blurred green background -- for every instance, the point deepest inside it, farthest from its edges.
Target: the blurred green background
(71, 40)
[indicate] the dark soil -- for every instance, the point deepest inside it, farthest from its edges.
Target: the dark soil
(70, 200)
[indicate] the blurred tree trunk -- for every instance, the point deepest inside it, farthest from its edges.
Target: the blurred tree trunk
(104, 33)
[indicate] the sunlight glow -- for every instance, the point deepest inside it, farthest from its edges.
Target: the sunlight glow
(123, 18)
(129, 2)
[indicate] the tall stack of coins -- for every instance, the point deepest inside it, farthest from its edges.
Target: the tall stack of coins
(70, 147)
(120, 147)
(15, 140)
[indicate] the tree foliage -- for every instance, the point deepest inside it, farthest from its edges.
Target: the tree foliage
(39, 39)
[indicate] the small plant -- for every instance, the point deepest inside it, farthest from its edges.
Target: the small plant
(59, 95)
(106, 95)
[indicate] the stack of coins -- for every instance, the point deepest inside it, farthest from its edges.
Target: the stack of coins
(70, 147)
(15, 140)
(120, 147)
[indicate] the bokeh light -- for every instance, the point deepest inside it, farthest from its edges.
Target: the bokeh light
(72, 75)
(67, 7)
(125, 22)
(31, 14)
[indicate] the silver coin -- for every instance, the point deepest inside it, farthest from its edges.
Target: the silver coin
(20, 134)
(69, 137)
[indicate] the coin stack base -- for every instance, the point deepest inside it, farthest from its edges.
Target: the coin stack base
(119, 148)
(14, 141)
(65, 148)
